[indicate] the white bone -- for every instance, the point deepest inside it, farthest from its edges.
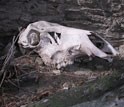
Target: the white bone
(61, 45)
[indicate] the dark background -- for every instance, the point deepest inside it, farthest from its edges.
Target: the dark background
(102, 16)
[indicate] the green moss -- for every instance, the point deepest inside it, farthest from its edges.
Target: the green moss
(110, 81)
(93, 89)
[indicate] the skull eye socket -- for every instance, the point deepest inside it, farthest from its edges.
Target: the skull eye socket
(34, 37)
(98, 42)
(99, 45)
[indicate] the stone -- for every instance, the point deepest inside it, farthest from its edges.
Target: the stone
(65, 86)
(84, 72)
(93, 15)
(57, 72)
(121, 50)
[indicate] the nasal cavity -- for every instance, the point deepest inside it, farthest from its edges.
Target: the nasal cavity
(99, 45)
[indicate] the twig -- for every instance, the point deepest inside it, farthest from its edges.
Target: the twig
(8, 59)
(12, 83)
(4, 75)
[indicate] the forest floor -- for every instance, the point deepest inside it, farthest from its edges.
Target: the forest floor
(29, 80)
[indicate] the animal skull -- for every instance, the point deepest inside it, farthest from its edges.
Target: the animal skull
(59, 45)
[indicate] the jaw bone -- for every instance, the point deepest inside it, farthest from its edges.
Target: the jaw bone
(59, 45)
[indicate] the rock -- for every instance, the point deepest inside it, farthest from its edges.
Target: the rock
(65, 86)
(23, 106)
(57, 72)
(104, 17)
(86, 72)
(121, 50)
(110, 99)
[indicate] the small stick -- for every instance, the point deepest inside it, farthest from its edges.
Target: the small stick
(7, 60)
(4, 75)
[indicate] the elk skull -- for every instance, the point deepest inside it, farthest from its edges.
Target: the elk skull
(59, 45)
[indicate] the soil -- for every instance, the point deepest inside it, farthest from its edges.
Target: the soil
(30, 80)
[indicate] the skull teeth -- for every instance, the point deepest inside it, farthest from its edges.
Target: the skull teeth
(64, 63)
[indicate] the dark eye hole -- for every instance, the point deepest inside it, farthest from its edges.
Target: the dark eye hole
(34, 37)
(98, 42)
(99, 45)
